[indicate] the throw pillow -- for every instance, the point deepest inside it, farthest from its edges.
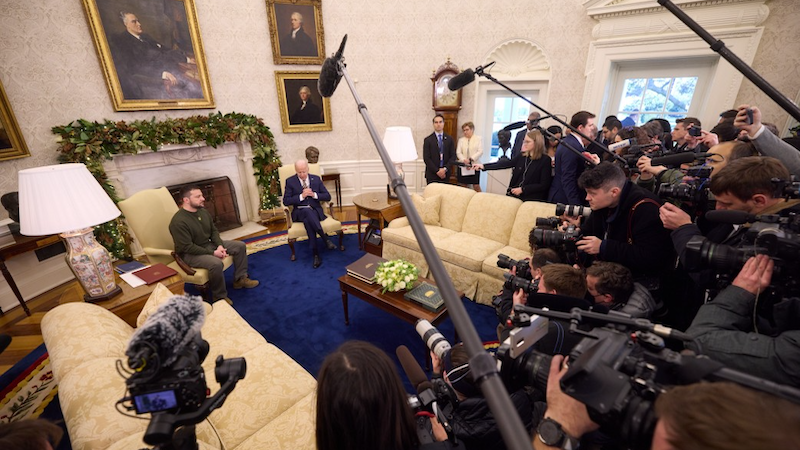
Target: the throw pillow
(428, 208)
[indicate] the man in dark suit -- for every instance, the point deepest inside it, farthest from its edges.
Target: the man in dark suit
(438, 152)
(305, 192)
(307, 112)
(569, 165)
(533, 121)
(148, 69)
(297, 42)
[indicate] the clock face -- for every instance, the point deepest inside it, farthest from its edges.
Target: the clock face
(444, 96)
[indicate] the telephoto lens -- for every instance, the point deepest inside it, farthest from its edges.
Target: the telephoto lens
(573, 210)
(435, 341)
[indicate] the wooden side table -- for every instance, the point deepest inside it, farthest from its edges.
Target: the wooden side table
(377, 206)
(22, 244)
(337, 184)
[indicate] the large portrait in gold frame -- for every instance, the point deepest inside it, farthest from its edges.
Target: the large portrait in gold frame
(12, 144)
(296, 32)
(151, 53)
(302, 108)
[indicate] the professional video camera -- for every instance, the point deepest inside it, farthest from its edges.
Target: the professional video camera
(167, 379)
(617, 370)
(523, 266)
(695, 191)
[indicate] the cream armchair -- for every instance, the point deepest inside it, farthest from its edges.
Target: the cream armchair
(148, 213)
(297, 230)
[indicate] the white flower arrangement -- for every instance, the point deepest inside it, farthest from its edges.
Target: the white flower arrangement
(396, 275)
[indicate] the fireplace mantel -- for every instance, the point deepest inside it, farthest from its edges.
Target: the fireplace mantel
(175, 164)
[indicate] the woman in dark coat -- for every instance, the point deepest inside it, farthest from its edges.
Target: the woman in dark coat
(531, 177)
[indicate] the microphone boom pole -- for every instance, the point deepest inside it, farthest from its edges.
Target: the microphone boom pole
(482, 364)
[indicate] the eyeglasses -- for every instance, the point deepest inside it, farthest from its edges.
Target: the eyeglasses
(715, 158)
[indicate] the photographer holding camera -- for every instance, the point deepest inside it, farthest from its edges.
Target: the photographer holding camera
(687, 136)
(767, 143)
(624, 226)
(697, 416)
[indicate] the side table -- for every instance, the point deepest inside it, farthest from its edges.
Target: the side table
(22, 244)
(377, 206)
(337, 184)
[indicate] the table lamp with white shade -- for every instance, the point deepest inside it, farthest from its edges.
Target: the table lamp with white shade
(66, 199)
(399, 143)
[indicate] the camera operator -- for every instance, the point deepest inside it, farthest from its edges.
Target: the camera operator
(503, 301)
(611, 285)
(767, 143)
(728, 329)
(473, 423)
(624, 226)
(709, 416)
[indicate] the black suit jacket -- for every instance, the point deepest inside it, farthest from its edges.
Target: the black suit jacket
(430, 154)
(291, 195)
(515, 150)
(301, 45)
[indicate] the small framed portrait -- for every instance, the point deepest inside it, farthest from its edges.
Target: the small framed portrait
(12, 144)
(295, 29)
(151, 53)
(302, 108)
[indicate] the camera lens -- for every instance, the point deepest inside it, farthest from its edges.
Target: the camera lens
(435, 341)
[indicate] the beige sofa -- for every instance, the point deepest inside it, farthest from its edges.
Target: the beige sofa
(469, 230)
(271, 408)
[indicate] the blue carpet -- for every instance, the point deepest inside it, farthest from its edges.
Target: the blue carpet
(299, 309)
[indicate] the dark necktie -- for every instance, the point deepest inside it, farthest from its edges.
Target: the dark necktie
(441, 151)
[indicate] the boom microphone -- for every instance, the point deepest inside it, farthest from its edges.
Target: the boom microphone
(412, 369)
(626, 143)
(167, 331)
(513, 126)
(730, 216)
(466, 77)
(676, 159)
(330, 75)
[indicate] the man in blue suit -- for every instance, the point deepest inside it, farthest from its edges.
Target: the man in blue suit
(569, 165)
(305, 192)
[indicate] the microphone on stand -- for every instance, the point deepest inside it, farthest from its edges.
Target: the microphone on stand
(330, 75)
(677, 159)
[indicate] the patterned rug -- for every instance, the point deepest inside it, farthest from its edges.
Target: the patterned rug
(266, 242)
(28, 394)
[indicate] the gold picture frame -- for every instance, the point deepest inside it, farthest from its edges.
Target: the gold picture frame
(12, 144)
(315, 115)
(151, 54)
(306, 45)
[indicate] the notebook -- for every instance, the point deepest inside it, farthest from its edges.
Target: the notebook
(154, 273)
(426, 295)
(129, 267)
(364, 268)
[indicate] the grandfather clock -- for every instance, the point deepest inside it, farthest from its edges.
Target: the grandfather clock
(447, 102)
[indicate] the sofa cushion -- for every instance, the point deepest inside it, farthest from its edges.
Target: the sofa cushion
(525, 220)
(404, 236)
(491, 216)
(290, 431)
(454, 203)
(428, 208)
(466, 250)
(158, 297)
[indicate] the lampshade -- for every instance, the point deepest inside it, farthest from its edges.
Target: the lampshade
(60, 198)
(399, 142)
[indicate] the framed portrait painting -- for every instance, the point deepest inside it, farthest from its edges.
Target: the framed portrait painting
(295, 29)
(12, 144)
(151, 53)
(302, 108)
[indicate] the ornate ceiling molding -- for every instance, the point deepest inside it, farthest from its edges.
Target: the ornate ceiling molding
(517, 57)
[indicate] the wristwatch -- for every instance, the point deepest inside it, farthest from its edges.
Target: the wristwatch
(551, 434)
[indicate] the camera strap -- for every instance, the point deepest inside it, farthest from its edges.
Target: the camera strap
(630, 216)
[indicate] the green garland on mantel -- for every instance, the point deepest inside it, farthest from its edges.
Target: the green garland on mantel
(92, 143)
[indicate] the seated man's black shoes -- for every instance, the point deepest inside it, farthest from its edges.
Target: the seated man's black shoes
(317, 261)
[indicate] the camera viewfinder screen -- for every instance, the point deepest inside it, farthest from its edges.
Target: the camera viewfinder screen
(155, 401)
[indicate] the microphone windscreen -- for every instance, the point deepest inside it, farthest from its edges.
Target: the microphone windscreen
(729, 216)
(425, 385)
(412, 369)
(674, 160)
(461, 80)
(170, 328)
(328, 77)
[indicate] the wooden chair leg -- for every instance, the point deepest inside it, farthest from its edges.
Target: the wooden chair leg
(205, 292)
(291, 246)
(341, 236)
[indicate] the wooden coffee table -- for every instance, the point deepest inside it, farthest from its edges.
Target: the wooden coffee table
(129, 304)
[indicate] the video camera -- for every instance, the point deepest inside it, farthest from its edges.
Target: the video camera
(617, 370)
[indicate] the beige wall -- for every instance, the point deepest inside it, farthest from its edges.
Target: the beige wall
(52, 75)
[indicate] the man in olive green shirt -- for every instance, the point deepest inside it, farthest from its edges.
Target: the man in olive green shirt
(198, 243)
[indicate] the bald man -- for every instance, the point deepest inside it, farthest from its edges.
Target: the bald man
(305, 192)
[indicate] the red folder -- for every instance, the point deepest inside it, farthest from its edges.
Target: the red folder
(154, 273)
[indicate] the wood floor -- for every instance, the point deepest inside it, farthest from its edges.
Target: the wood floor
(26, 331)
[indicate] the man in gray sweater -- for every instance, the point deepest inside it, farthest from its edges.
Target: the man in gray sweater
(198, 243)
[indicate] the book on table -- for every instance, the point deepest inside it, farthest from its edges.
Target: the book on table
(129, 266)
(364, 268)
(154, 273)
(426, 295)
